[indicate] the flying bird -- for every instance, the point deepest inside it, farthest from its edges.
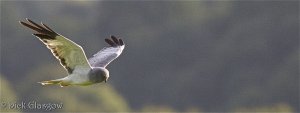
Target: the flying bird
(81, 71)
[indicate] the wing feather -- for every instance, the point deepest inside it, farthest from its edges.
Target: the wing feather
(66, 51)
(115, 40)
(111, 43)
(107, 54)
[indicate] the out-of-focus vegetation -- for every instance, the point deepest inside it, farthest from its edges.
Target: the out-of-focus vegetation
(180, 56)
(7, 95)
(82, 99)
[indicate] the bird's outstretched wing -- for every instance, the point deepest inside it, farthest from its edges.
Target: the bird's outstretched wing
(66, 51)
(107, 54)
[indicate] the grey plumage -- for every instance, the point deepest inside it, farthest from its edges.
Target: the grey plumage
(107, 54)
(97, 75)
(72, 57)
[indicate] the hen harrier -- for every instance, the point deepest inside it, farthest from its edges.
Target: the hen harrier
(72, 57)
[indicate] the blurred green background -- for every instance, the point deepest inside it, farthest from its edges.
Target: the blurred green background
(201, 56)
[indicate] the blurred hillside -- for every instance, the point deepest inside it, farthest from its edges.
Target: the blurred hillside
(179, 56)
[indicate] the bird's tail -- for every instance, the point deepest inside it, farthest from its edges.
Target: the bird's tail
(52, 82)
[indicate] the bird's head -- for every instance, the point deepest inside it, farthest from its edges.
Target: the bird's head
(98, 74)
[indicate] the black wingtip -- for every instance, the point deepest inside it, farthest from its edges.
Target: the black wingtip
(30, 26)
(43, 36)
(115, 39)
(121, 42)
(47, 27)
(110, 42)
(22, 23)
(41, 29)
